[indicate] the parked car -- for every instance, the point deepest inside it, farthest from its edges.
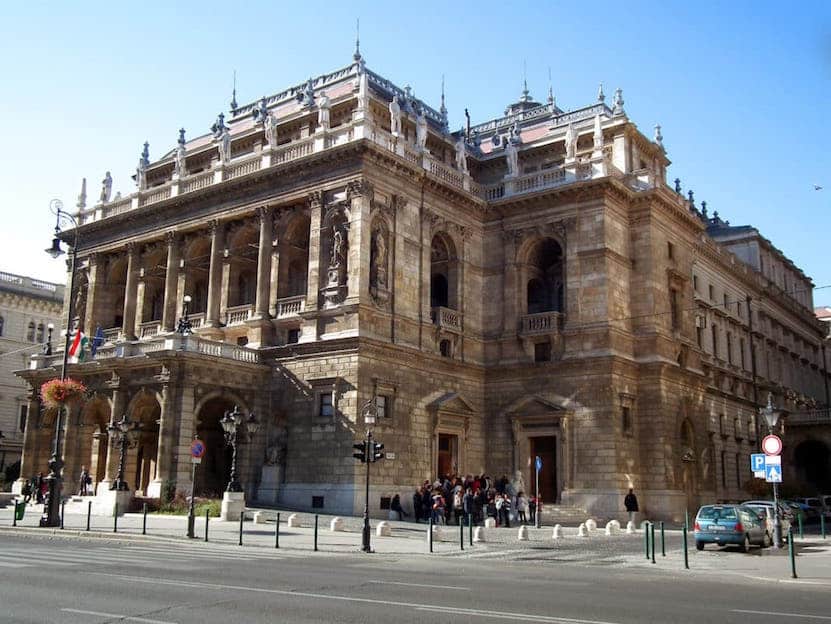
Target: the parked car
(826, 500)
(765, 511)
(799, 509)
(730, 524)
(787, 512)
(814, 508)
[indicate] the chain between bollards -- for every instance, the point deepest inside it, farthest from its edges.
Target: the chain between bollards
(652, 535)
(277, 532)
(115, 519)
(686, 556)
(63, 513)
(791, 553)
(207, 522)
(144, 519)
(663, 541)
(89, 513)
(430, 533)
(241, 520)
(316, 517)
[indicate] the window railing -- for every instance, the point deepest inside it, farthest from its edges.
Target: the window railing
(290, 306)
(541, 323)
(446, 318)
(237, 315)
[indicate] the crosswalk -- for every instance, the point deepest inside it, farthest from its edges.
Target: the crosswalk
(170, 554)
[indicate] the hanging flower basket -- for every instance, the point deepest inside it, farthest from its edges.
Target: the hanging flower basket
(57, 392)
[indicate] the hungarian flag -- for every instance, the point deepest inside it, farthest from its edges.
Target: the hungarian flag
(78, 347)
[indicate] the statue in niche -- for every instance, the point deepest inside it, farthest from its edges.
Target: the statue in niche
(512, 158)
(271, 130)
(79, 305)
(225, 146)
(395, 116)
(106, 188)
(421, 130)
(571, 142)
(380, 259)
(323, 111)
(338, 247)
(461, 154)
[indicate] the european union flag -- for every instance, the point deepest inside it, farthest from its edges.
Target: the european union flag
(97, 340)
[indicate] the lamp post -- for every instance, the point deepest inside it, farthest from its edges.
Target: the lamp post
(47, 348)
(771, 417)
(184, 327)
(51, 510)
(123, 434)
(231, 424)
(369, 412)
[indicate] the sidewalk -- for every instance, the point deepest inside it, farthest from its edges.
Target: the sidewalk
(813, 560)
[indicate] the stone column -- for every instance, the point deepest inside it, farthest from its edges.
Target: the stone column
(128, 328)
(313, 284)
(266, 217)
(166, 443)
(359, 193)
(215, 273)
(171, 284)
(90, 319)
(29, 457)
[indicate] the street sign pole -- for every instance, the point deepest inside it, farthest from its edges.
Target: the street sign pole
(197, 450)
(537, 466)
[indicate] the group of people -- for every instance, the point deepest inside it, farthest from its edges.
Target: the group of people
(36, 487)
(456, 499)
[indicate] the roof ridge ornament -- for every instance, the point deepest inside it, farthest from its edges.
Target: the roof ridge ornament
(618, 110)
(82, 197)
(601, 97)
(659, 138)
(443, 108)
(357, 56)
(234, 105)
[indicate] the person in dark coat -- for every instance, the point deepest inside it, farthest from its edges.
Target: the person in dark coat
(631, 504)
(468, 505)
(417, 505)
(395, 506)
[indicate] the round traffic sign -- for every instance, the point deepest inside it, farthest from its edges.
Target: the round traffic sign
(772, 445)
(197, 448)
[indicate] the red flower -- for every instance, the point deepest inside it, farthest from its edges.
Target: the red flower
(57, 392)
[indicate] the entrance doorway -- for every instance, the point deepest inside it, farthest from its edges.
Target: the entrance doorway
(546, 448)
(448, 453)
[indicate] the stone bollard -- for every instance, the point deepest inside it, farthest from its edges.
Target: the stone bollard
(490, 523)
(383, 529)
(336, 524)
(260, 518)
(591, 525)
(582, 531)
(558, 531)
(479, 534)
(630, 528)
(294, 521)
(523, 534)
(612, 527)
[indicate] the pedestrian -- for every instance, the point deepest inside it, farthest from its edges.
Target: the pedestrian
(505, 511)
(27, 492)
(532, 509)
(83, 481)
(39, 487)
(395, 506)
(521, 507)
(417, 505)
(631, 504)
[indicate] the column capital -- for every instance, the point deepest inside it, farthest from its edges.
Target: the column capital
(315, 199)
(358, 188)
(132, 248)
(172, 238)
(265, 212)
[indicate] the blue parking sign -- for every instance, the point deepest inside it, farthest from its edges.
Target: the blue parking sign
(757, 462)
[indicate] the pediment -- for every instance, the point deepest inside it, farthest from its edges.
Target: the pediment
(450, 402)
(534, 406)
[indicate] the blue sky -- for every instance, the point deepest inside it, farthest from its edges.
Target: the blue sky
(740, 90)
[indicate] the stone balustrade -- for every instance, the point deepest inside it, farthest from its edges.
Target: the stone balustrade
(290, 306)
(446, 318)
(196, 320)
(237, 315)
(149, 329)
(540, 323)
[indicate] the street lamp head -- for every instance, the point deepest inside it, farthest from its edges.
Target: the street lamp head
(188, 299)
(771, 415)
(55, 250)
(252, 425)
(50, 326)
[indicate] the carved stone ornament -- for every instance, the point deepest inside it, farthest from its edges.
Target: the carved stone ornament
(358, 188)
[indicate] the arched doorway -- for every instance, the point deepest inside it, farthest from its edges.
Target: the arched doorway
(214, 471)
(812, 460)
(93, 447)
(141, 463)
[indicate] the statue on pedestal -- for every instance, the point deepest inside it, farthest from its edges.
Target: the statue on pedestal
(323, 111)
(225, 146)
(421, 130)
(395, 116)
(179, 166)
(379, 259)
(512, 158)
(571, 142)
(141, 175)
(271, 130)
(106, 188)
(461, 153)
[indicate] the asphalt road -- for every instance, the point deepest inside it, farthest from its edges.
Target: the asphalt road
(93, 581)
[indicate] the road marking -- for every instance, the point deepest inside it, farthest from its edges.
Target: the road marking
(128, 618)
(418, 585)
(414, 605)
(777, 614)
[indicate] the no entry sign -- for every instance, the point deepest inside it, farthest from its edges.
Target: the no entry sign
(772, 445)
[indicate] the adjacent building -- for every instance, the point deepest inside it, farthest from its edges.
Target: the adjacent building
(526, 286)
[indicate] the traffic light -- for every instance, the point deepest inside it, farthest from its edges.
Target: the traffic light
(377, 451)
(360, 451)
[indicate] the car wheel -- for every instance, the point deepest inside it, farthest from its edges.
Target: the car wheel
(699, 545)
(767, 542)
(746, 544)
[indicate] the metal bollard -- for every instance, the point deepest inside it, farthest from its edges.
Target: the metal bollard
(241, 520)
(686, 556)
(470, 527)
(144, 519)
(277, 532)
(652, 532)
(687, 519)
(461, 534)
(791, 553)
(14, 517)
(89, 514)
(316, 532)
(822, 525)
(430, 533)
(663, 542)
(63, 513)
(801, 534)
(207, 522)
(115, 519)
(646, 538)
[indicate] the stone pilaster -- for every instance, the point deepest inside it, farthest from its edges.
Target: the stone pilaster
(91, 314)
(171, 283)
(266, 218)
(29, 459)
(128, 328)
(359, 193)
(215, 274)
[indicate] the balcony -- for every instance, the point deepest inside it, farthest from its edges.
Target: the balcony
(447, 319)
(237, 315)
(540, 323)
(150, 329)
(290, 307)
(196, 320)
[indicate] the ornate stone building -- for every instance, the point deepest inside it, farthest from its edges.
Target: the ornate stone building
(27, 308)
(526, 286)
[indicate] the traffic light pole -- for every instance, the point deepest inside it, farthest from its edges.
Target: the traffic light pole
(367, 547)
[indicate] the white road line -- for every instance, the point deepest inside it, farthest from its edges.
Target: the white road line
(418, 585)
(777, 614)
(4, 564)
(128, 618)
(386, 603)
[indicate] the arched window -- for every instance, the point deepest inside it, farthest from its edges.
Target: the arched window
(536, 296)
(30, 332)
(443, 273)
(41, 330)
(438, 291)
(544, 288)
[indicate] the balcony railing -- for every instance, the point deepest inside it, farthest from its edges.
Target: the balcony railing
(448, 319)
(290, 306)
(196, 320)
(111, 334)
(540, 323)
(237, 315)
(149, 329)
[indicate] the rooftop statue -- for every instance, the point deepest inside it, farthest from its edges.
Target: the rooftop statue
(271, 130)
(179, 165)
(218, 126)
(421, 130)
(512, 158)
(323, 111)
(571, 142)
(261, 112)
(461, 153)
(106, 188)
(141, 174)
(395, 116)
(225, 146)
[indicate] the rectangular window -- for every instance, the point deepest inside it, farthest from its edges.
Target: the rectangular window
(670, 251)
(626, 420)
(715, 340)
(23, 414)
(726, 302)
(695, 283)
(741, 352)
(292, 336)
(724, 469)
(326, 408)
(382, 405)
(711, 292)
(699, 336)
(738, 471)
(729, 347)
(542, 352)
(673, 308)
